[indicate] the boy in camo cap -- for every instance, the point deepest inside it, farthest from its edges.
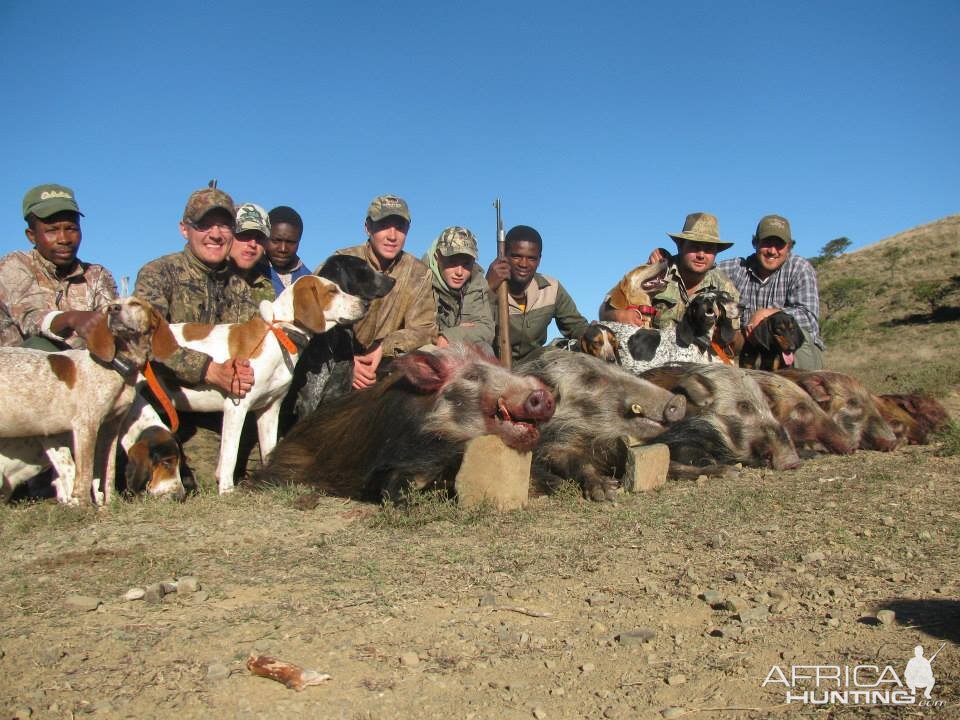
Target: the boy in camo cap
(247, 254)
(464, 312)
(51, 299)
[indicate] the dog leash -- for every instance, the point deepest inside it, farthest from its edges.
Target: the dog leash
(158, 392)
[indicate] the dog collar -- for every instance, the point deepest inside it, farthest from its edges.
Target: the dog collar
(643, 309)
(123, 365)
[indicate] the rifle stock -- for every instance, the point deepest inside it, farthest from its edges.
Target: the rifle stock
(503, 309)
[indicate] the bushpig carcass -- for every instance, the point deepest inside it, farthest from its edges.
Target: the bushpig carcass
(849, 403)
(726, 399)
(806, 422)
(409, 430)
(597, 404)
(928, 415)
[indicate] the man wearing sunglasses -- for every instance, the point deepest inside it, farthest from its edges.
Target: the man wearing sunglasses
(199, 285)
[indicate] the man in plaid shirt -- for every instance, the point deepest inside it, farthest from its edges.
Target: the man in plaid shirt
(774, 279)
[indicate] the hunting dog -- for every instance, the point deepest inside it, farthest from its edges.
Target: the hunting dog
(272, 341)
(83, 395)
(156, 465)
(772, 344)
(708, 327)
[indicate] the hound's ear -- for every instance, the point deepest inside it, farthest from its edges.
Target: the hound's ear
(139, 467)
(311, 296)
(163, 343)
(685, 336)
(697, 389)
(618, 299)
(726, 333)
(797, 333)
(761, 334)
(101, 342)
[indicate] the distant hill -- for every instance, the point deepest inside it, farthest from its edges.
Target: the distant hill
(876, 323)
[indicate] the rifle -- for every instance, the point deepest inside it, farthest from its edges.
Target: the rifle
(503, 309)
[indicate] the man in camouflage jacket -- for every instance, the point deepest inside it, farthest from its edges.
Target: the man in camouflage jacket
(534, 300)
(50, 299)
(689, 272)
(199, 285)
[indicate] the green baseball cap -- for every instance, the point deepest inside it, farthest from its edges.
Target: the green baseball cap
(704, 228)
(457, 241)
(252, 217)
(387, 205)
(46, 200)
(773, 226)
(203, 201)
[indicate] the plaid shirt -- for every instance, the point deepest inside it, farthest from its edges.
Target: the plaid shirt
(793, 288)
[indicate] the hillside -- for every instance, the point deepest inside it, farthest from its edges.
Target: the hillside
(875, 326)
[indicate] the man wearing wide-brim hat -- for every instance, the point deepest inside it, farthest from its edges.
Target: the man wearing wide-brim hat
(774, 279)
(49, 298)
(689, 272)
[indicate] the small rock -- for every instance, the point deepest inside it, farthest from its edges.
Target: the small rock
(201, 596)
(134, 594)
(82, 603)
(713, 598)
(488, 600)
(153, 594)
(409, 659)
(557, 692)
(719, 540)
(217, 671)
(887, 521)
(22, 713)
(595, 600)
(168, 586)
(739, 578)
(596, 628)
(611, 712)
(676, 679)
(780, 606)
(702, 479)
(886, 617)
(736, 604)
(753, 615)
(673, 712)
(587, 668)
(925, 535)
(833, 622)
(50, 657)
(636, 637)
(779, 594)
(539, 713)
(188, 584)
(815, 556)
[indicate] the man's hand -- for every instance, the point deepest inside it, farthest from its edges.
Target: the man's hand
(442, 342)
(365, 368)
(498, 271)
(758, 317)
(627, 316)
(658, 255)
(235, 377)
(81, 322)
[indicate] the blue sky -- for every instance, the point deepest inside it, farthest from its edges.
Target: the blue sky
(601, 124)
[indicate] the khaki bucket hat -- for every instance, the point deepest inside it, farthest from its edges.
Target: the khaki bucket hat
(704, 228)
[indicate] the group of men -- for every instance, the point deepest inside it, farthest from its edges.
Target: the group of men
(237, 255)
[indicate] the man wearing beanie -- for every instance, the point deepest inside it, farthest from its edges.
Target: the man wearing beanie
(49, 298)
(774, 279)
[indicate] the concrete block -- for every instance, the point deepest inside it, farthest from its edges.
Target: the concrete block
(493, 472)
(646, 467)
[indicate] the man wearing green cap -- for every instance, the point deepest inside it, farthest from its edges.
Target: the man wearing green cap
(774, 279)
(199, 285)
(49, 298)
(464, 312)
(691, 271)
(405, 318)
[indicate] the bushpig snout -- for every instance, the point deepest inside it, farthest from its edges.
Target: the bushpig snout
(539, 406)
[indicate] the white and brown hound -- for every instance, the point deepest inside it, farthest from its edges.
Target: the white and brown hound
(272, 342)
(49, 397)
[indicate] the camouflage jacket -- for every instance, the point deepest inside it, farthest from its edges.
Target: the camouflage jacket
(469, 305)
(259, 284)
(31, 293)
(183, 289)
(406, 318)
(546, 300)
(672, 301)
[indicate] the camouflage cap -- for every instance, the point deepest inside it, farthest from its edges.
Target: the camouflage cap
(704, 228)
(203, 201)
(387, 205)
(252, 217)
(773, 226)
(457, 241)
(46, 200)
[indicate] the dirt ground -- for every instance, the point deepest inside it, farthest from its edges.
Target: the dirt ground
(672, 604)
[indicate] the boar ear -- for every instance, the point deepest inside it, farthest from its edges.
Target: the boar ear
(813, 384)
(425, 371)
(100, 342)
(697, 389)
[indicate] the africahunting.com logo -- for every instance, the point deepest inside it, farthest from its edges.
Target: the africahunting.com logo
(859, 684)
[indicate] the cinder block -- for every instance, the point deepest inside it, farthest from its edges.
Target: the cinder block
(495, 473)
(646, 467)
